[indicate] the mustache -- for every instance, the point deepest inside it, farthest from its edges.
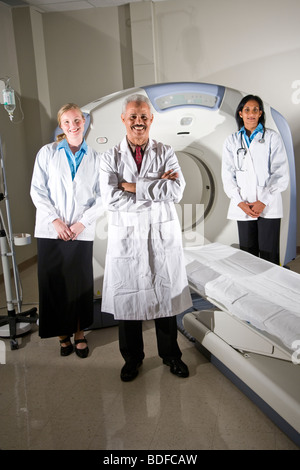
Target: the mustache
(138, 126)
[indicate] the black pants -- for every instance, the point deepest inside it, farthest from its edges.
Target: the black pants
(131, 339)
(261, 238)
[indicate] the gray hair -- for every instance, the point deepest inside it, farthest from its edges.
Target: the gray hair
(137, 98)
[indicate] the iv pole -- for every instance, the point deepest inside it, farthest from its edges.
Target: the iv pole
(7, 241)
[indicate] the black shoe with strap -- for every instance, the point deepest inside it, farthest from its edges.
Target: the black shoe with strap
(66, 350)
(82, 353)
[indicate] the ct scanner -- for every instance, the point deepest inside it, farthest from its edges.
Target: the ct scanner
(195, 119)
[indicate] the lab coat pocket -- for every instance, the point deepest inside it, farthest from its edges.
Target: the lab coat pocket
(120, 264)
(168, 261)
(52, 233)
(120, 241)
(166, 236)
(171, 234)
(122, 275)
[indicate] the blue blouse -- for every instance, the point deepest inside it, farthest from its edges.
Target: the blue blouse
(248, 140)
(74, 160)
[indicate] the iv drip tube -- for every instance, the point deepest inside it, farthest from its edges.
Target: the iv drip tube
(10, 234)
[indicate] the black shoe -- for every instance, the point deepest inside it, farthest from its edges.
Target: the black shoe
(83, 353)
(177, 367)
(130, 371)
(66, 350)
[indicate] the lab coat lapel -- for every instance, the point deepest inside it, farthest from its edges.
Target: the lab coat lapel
(65, 170)
(80, 173)
(251, 177)
(127, 157)
(149, 155)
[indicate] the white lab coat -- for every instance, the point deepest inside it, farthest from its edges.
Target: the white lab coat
(145, 275)
(261, 175)
(55, 195)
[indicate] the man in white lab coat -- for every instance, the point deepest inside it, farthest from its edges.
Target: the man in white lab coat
(145, 275)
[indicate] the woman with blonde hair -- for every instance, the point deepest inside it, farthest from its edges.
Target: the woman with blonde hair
(66, 193)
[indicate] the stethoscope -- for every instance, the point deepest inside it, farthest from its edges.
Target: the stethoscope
(242, 150)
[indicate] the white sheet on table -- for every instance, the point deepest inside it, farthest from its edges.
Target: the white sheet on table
(287, 323)
(254, 290)
(200, 274)
(279, 286)
(223, 287)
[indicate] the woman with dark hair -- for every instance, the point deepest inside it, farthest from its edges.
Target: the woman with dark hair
(254, 173)
(243, 102)
(65, 190)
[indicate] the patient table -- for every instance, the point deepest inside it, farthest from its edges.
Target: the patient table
(253, 334)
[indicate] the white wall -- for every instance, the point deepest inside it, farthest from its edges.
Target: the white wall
(252, 47)
(82, 55)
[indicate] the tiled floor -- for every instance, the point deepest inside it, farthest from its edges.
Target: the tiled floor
(50, 402)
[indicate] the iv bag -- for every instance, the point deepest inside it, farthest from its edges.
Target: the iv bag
(9, 101)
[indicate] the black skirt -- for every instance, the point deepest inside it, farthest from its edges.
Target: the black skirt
(65, 281)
